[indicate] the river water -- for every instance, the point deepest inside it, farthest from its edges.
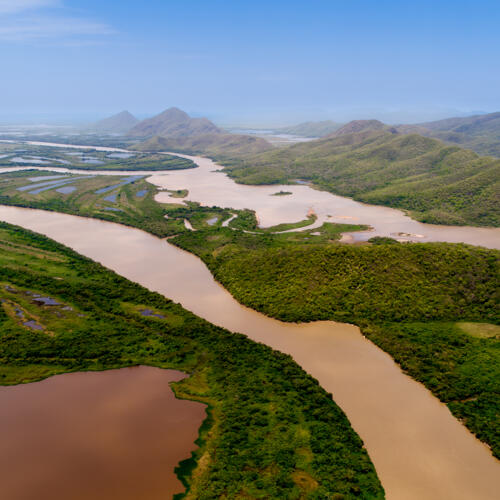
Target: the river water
(100, 435)
(209, 186)
(419, 449)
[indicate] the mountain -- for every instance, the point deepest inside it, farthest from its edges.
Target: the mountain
(218, 145)
(436, 182)
(173, 122)
(356, 126)
(310, 129)
(480, 133)
(175, 130)
(120, 123)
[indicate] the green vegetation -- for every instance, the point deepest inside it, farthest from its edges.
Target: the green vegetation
(462, 370)
(178, 193)
(210, 144)
(382, 240)
(90, 140)
(272, 432)
(247, 221)
(435, 182)
(281, 193)
(131, 204)
(21, 155)
(481, 133)
(433, 307)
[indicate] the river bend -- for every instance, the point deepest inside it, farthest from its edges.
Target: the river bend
(419, 449)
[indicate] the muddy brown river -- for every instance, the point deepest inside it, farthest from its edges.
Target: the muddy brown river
(209, 186)
(419, 449)
(96, 435)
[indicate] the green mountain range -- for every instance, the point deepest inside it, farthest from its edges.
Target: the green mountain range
(480, 133)
(374, 163)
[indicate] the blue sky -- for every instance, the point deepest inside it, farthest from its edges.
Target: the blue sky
(249, 61)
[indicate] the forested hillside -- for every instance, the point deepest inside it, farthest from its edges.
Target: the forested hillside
(480, 133)
(433, 307)
(435, 182)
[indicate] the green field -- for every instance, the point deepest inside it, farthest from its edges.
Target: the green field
(272, 431)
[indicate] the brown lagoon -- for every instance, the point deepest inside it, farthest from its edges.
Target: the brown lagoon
(96, 435)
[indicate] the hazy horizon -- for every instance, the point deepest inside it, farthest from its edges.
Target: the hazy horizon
(248, 64)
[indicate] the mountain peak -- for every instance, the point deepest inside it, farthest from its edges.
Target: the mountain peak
(174, 114)
(356, 126)
(173, 122)
(120, 123)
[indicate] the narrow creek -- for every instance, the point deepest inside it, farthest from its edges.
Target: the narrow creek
(419, 449)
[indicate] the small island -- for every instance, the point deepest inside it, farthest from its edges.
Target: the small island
(282, 193)
(178, 193)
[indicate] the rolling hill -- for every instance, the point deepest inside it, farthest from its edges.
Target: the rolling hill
(356, 126)
(216, 145)
(480, 133)
(373, 163)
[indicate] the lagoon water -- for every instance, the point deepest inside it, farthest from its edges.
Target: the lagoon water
(419, 449)
(96, 435)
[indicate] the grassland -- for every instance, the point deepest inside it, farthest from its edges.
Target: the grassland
(434, 182)
(272, 432)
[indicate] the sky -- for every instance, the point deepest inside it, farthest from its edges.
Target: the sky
(250, 63)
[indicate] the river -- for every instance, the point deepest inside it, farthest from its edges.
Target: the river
(419, 449)
(209, 186)
(100, 435)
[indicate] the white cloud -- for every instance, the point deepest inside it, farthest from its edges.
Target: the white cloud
(35, 20)
(14, 6)
(50, 27)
